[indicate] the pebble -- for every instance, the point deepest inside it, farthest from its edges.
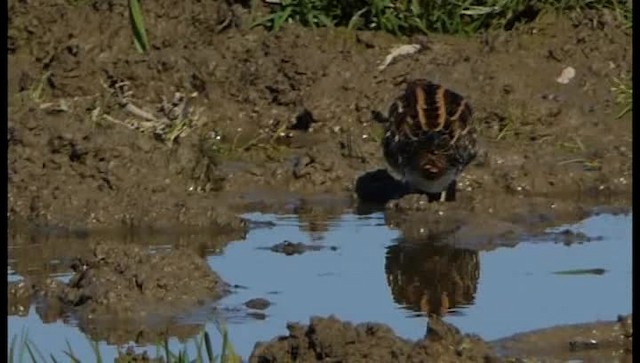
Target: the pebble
(257, 304)
(566, 76)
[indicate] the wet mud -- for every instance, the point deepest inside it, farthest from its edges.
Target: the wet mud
(258, 303)
(291, 112)
(606, 341)
(123, 291)
(219, 119)
(330, 339)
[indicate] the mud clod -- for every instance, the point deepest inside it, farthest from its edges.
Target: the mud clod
(569, 237)
(258, 304)
(294, 248)
(329, 339)
(130, 281)
(19, 297)
(626, 325)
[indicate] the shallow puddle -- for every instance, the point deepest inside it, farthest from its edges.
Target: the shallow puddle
(367, 272)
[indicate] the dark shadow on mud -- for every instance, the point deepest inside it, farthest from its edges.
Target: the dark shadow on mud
(375, 188)
(429, 278)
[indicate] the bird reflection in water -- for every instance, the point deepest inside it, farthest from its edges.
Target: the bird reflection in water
(428, 278)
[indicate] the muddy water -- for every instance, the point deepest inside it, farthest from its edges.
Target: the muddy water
(360, 270)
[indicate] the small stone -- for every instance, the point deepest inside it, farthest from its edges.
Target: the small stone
(566, 76)
(257, 304)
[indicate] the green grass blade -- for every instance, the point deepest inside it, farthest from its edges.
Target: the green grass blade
(479, 10)
(312, 20)
(38, 352)
(223, 355)
(169, 355)
(207, 345)
(356, 21)
(228, 353)
(96, 351)
(23, 342)
(72, 357)
(197, 341)
(137, 25)
(12, 348)
(265, 21)
(31, 355)
(324, 20)
(69, 347)
(624, 112)
(281, 18)
(167, 352)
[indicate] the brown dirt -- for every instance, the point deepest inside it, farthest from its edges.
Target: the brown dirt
(79, 160)
(331, 340)
(603, 341)
(72, 163)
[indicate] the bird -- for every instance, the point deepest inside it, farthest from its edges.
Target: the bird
(429, 139)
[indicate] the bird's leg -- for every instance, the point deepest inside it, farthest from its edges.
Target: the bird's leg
(450, 193)
(434, 197)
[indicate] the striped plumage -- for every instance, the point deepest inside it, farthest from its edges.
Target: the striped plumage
(429, 138)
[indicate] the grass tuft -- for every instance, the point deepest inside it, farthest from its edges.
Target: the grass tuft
(623, 91)
(22, 349)
(406, 17)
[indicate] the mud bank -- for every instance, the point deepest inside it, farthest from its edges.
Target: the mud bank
(123, 291)
(229, 109)
(329, 339)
